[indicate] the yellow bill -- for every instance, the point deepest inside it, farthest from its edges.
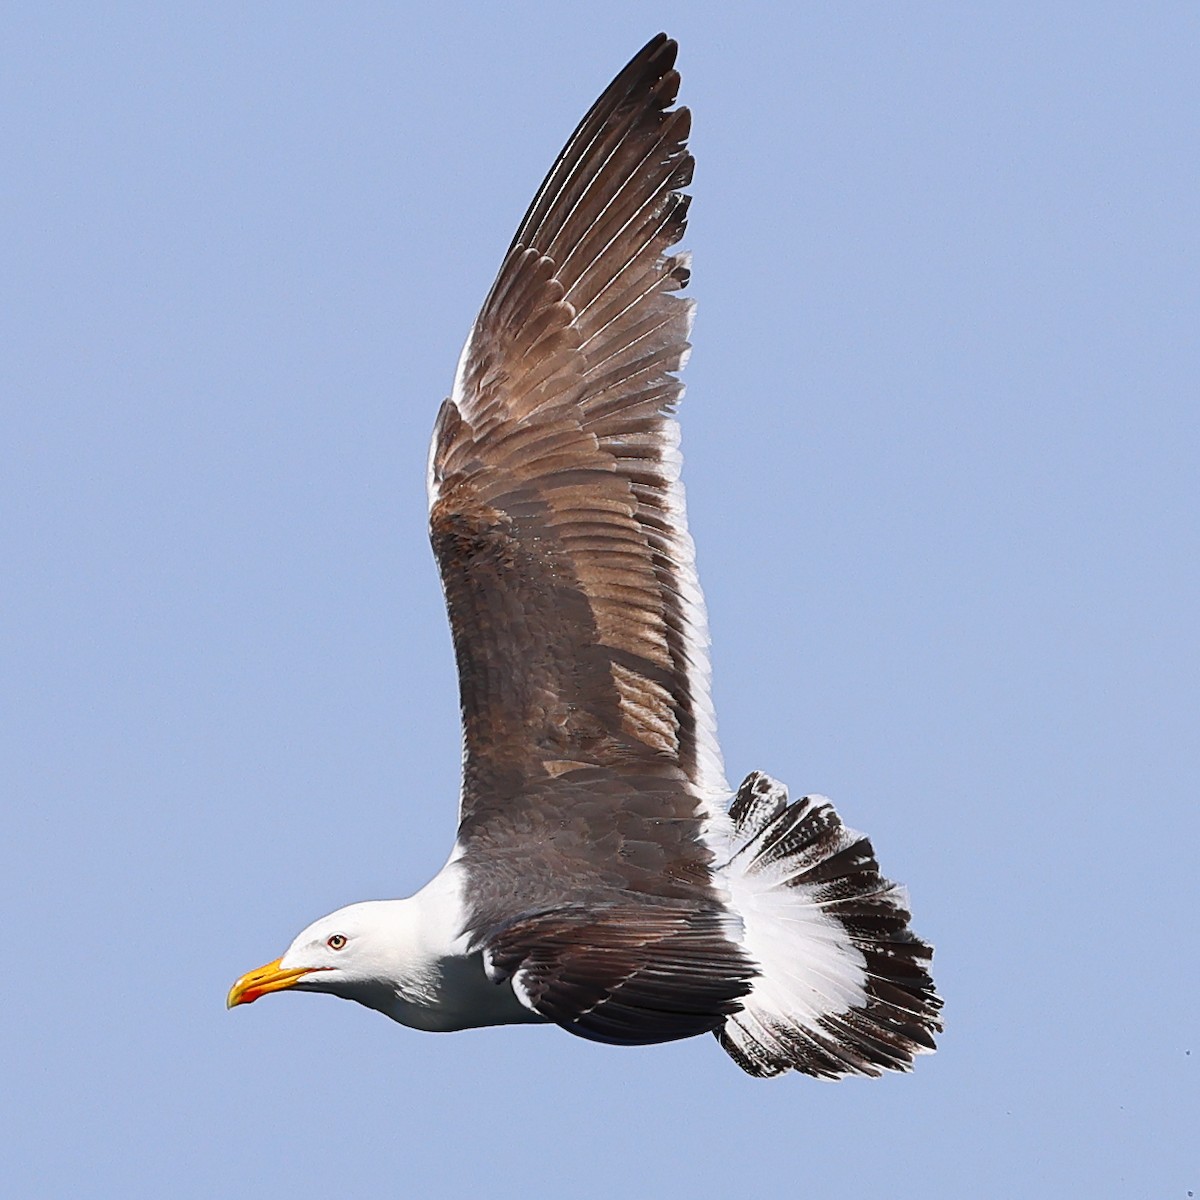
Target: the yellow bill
(271, 978)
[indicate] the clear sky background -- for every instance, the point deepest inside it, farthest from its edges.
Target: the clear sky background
(941, 442)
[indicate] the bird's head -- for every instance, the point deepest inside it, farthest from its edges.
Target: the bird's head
(349, 953)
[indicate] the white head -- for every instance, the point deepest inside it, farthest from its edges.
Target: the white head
(411, 959)
(369, 952)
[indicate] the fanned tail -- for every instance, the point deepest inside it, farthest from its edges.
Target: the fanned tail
(844, 987)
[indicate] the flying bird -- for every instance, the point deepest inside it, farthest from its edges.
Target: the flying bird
(604, 876)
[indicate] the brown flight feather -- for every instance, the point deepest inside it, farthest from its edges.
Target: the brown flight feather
(557, 520)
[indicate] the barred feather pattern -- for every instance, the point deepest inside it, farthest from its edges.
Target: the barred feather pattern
(844, 985)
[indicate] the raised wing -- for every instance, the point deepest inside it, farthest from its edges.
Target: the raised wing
(556, 511)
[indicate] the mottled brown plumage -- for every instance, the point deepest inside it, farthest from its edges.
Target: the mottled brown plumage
(557, 521)
(552, 467)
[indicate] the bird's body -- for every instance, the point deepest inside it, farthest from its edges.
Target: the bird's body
(600, 879)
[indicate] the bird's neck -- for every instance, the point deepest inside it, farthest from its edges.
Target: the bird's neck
(434, 981)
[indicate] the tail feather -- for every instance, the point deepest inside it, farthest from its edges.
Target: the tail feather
(844, 985)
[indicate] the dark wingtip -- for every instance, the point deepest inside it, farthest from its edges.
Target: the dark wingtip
(653, 62)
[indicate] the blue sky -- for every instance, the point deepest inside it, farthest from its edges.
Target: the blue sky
(941, 443)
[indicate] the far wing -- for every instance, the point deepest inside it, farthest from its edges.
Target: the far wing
(556, 511)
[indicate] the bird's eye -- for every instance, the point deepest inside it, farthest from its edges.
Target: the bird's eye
(335, 941)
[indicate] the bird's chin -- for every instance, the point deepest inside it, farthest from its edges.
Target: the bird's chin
(274, 977)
